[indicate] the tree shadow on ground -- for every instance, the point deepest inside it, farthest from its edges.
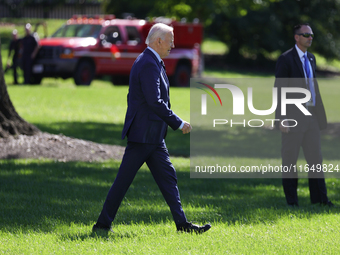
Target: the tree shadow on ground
(251, 142)
(39, 196)
(109, 133)
(106, 133)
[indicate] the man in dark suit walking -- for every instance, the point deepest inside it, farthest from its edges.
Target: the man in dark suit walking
(147, 119)
(297, 128)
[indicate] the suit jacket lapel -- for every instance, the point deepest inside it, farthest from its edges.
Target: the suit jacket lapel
(298, 62)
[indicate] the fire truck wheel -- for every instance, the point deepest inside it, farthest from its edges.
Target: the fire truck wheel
(35, 79)
(84, 73)
(182, 76)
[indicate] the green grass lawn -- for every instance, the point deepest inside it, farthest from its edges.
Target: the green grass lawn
(213, 46)
(49, 207)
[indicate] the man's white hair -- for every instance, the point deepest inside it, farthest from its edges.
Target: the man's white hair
(159, 30)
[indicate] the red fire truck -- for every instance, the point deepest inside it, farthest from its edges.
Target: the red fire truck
(88, 47)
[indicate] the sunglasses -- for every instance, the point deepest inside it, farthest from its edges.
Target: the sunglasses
(307, 35)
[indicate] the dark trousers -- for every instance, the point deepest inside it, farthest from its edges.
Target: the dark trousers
(27, 63)
(14, 67)
(309, 140)
(158, 161)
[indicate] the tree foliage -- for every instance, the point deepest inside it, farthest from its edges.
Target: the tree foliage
(255, 27)
(15, 7)
(270, 28)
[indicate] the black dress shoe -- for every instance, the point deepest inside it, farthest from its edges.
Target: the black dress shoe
(99, 227)
(293, 205)
(192, 228)
(329, 203)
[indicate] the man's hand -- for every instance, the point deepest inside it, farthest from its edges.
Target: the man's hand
(35, 52)
(283, 128)
(186, 128)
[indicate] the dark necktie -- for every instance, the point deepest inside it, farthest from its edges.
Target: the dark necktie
(162, 63)
(164, 74)
(165, 77)
(309, 77)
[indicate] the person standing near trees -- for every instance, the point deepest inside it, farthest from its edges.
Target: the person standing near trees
(299, 66)
(14, 47)
(29, 50)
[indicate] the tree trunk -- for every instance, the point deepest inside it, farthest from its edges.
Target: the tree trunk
(11, 124)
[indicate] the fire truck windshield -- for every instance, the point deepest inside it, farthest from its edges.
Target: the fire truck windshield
(78, 30)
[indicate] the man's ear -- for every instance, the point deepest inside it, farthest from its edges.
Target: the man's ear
(296, 37)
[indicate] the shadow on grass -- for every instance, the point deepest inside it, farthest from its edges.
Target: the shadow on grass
(42, 196)
(251, 142)
(109, 133)
(238, 142)
(106, 133)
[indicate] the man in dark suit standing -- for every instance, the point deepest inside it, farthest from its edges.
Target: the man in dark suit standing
(297, 128)
(14, 47)
(147, 119)
(30, 49)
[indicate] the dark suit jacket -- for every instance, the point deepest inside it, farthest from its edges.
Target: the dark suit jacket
(289, 66)
(148, 114)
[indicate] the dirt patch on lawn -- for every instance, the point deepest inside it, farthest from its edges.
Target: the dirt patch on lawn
(58, 147)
